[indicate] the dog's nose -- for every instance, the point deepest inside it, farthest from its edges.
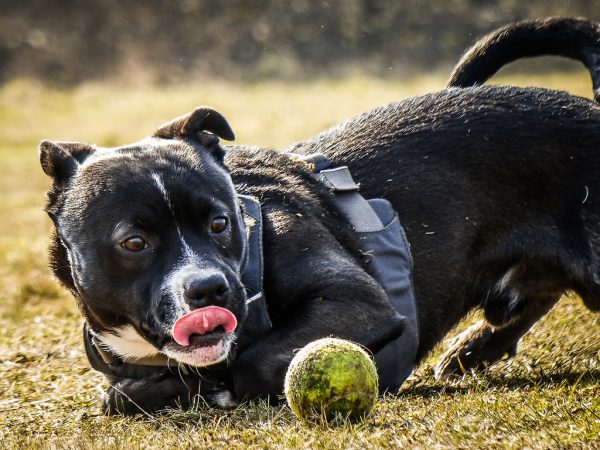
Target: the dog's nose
(207, 290)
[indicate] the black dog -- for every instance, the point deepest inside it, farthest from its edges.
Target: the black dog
(497, 188)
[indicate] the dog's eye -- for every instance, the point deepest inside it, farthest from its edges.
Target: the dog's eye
(134, 244)
(218, 224)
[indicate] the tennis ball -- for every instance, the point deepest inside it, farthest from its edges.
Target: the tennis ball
(331, 377)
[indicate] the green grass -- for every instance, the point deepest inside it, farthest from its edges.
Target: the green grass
(549, 396)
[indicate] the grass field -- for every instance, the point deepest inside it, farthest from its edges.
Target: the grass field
(548, 396)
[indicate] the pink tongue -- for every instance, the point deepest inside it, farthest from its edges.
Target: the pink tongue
(202, 321)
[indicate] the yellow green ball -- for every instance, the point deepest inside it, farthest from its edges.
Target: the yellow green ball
(329, 378)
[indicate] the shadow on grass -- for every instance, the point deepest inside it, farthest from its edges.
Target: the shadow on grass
(275, 409)
(511, 382)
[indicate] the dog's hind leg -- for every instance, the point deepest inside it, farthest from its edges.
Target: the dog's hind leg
(514, 300)
(589, 292)
(591, 302)
(482, 344)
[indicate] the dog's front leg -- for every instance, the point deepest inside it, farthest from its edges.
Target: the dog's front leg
(179, 388)
(130, 396)
(140, 389)
(338, 299)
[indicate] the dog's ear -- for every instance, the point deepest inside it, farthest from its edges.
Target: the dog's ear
(193, 125)
(204, 125)
(59, 160)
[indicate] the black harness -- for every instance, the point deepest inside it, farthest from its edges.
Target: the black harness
(381, 237)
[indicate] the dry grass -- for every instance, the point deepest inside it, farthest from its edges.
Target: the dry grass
(549, 396)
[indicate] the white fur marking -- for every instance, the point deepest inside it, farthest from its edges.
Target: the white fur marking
(189, 253)
(224, 399)
(214, 354)
(127, 343)
(102, 154)
(173, 285)
(161, 187)
(514, 300)
(163, 190)
(506, 279)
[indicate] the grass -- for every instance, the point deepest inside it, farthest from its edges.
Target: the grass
(549, 396)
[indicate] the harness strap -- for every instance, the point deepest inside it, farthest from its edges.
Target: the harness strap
(252, 278)
(382, 239)
(352, 205)
(257, 321)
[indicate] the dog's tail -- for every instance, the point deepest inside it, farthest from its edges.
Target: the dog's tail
(570, 37)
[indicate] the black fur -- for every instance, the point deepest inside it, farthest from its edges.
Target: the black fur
(497, 189)
(483, 179)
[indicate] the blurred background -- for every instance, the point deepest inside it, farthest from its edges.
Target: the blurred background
(69, 41)
(110, 71)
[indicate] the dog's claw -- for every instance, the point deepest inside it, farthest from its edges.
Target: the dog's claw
(475, 349)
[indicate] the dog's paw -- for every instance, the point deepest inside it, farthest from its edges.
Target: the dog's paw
(122, 398)
(475, 349)
(224, 399)
(154, 394)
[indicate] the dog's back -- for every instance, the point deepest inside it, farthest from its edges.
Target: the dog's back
(485, 180)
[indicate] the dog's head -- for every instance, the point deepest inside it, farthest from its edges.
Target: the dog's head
(151, 240)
